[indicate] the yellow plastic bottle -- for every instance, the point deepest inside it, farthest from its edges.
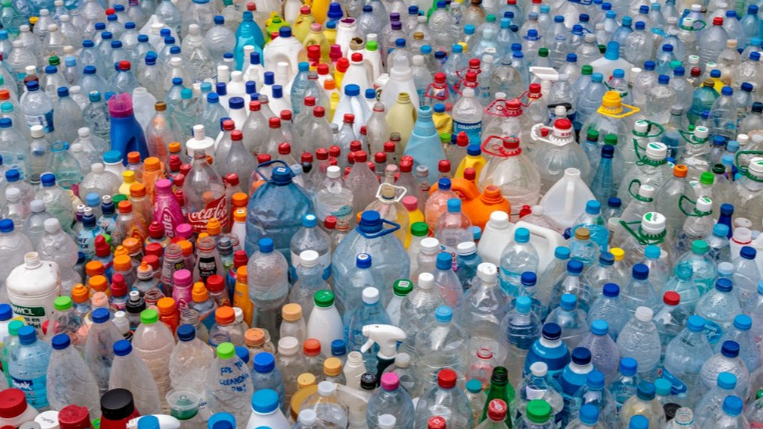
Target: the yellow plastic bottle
(330, 32)
(317, 37)
(334, 101)
(241, 295)
(320, 9)
(303, 22)
(415, 219)
(442, 120)
(274, 23)
(341, 67)
(473, 159)
(401, 117)
(128, 178)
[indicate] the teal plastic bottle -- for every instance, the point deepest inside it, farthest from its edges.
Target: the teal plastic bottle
(424, 144)
(247, 33)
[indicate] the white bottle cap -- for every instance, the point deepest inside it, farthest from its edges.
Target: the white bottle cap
(402, 360)
(370, 295)
(653, 223)
(387, 421)
(693, 59)
(13, 195)
(44, 12)
(641, 126)
(499, 219)
(466, 248)
(194, 30)
(756, 167)
(88, 211)
(704, 204)
(307, 417)
(430, 245)
(726, 268)
(418, 60)
(97, 168)
(51, 225)
(487, 59)
(644, 314)
(539, 369)
(308, 258)
(743, 139)
(176, 62)
(198, 132)
(31, 70)
(37, 132)
(333, 172)
(17, 43)
(84, 132)
(237, 76)
(47, 419)
(696, 8)
(487, 272)
(656, 151)
(590, 37)
(157, 27)
(742, 235)
(239, 314)
(52, 27)
(560, 112)
(326, 388)
(701, 132)
(538, 210)
(646, 191)
(288, 346)
(672, 20)
(37, 206)
(426, 281)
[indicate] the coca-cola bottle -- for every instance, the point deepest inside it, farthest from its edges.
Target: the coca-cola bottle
(167, 210)
(204, 194)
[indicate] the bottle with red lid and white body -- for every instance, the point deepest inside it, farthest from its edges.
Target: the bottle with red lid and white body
(14, 410)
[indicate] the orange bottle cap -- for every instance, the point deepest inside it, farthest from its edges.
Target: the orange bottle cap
(241, 274)
(131, 244)
(121, 250)
(122, 263)
(133, 157)
(80, 293)
(166, 306)
(137, 190)
(239, 199)
(305, 379)
(186, 247)
(151, 163)
(174, 147)
(239, 215)
(332, 367)
(214, 227)
(98, 283)
(291, 312)
(225, 316)
(125, 206)
(680, 170)
(253, 337)
(94, 268)
(199, 292)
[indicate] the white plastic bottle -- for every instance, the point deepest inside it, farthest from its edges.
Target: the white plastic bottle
(494, 238)
(325, 323)
(354, 369)
(200, 141)
(32, 288)
(265, 411)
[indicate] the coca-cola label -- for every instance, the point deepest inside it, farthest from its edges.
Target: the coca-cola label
(214, 209)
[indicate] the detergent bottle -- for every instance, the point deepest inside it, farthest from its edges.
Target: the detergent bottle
(126, 133)
(481, 208)
(496, 233)
(473, 159)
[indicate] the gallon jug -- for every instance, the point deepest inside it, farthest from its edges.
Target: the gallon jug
(32, 288)
(126, 133)
(566, 200)
(511, 172)
(495, 235)
(276, 209)
(481, 208)
(612, 117)
(555, 151)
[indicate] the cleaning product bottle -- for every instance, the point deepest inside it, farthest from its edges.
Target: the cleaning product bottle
(387, 337)
(126, 133)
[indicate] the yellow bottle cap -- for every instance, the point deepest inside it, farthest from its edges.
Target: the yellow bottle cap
(291, 312)
(618, 253)
(199, 292)
(332, 367)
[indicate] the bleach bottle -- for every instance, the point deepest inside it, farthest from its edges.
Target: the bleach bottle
(126, 133)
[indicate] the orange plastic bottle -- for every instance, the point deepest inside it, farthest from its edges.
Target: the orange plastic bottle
(479, 209)
(168, 313)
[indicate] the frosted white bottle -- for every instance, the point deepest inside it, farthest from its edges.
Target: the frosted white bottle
(265, 411)
(354, 369)
(494, 238)
(325, 323)
(32, 288)
(200, 141)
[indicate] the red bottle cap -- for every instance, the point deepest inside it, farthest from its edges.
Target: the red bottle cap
(322, 154)
(236, 135)
(380, 157)
(342, 65)
(306, 157)
(439, 77)
(274, 122)
(124, 65)
(496, 410)
(470, 174)
(671, 298)
(355, 146)
(263, 158)
(239, 259)
(349, 118)
(154, 249)
(74, 417)
(361, 156)
(215, 283)
(389, 147)
(12, 403)
(319, 111)
(335, 151)
(118, 285)
(255, 106)
(443, 166)
(175, 163)
(446, 378)
(310, 100)
(436, 422)
(330, 222)
(228, 125)
(286, 115)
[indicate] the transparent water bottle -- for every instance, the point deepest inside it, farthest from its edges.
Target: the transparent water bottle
(640, 340)
(727, 360)
(441, 344)
(609, 308)
(718, 307)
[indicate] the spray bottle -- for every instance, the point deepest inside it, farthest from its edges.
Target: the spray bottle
(387, 337)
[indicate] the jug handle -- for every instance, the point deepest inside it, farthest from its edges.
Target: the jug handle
(630, 189)
(498, 150)
(535, 135)
(399, 191)
(469, 192)
(743, 169)
(267, 163)
(569, 201)
(626, 112)
(381, 233)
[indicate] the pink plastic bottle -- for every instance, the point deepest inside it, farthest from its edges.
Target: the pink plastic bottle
(182, 281)
(167, 210)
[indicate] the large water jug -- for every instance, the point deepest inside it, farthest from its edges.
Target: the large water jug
(390, 260)
(567, 199)
(513, 173)
(32, 288)
(555, 151)
(276, 209)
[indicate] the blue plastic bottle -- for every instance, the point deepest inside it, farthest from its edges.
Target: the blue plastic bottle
(573, 377)
(549, 349)
(247, 33)
(424, 144)
(126, 133)
(626, 383)
(29, 367)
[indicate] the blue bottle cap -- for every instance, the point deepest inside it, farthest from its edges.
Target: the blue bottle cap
(592, 206)
(116, 44)
(51, 70)
(643, 9)
(32, 85)
(309, 220)
(6, 312)
(27, 335)
(12, 175)
(724, 285)
(454, 205)
(112, 157)
(667, 47)
(443, 183)
(266, 245)
(755, 56)
(186, 93)
(752, 9)
(730, 349)
(748, 252)
(606, 259)
(474, 386)
(662, 387)
(219, 20)
(457, 49)
(720, 230)
(264, 362)
(335, 11)
(444, 261)
(715, 73)
(595, 380)
(569, 302)
(732, 405)
(468, 29)
(562, 252)
(400, 43)
(370, 94)
(726, 381)
(6, 123)
(727, 90)
(99, 315)
(611, 290)
(122, 348)
(523, 304)
(236, 103)
(111, 18)
(597, 77)
(640, 25)
(645, 391)
(696, 323)
(551, 331)
(439, 108)
(129, 25)
(599, 327)
(352, 90)
(338, 348)
(679, 71)
(265, 401)
(611, 14)
(746, 87)
(216, 421)
(640, 272)
(663, 79)
(60, 342)
(242, 353)
(528, 278)
(48, 179)
(100, 26)
(628, 366)
(251, 87)
(581, 356)
(186, 332)
(558, 18)
(649, 65)
(572, 58)
(363, 260)
(88, 43)
(222, 89)
(574, 266)
(370, 221)
(522, 235)
(589, 414)
(638, 422)
(742, 322)
(63, 92)
(443, 314)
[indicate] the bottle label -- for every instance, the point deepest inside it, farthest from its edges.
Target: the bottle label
(207, 267)
(169, 220)
(713, 331)
(34, 390)
(472, 130)
(678, 386)
(214, 209)
(33, 316)
(45, 120)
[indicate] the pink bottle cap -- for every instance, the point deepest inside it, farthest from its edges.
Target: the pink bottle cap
(390, 381)
(184, 230)
(163, 185)
(182, 278)
(410, 202)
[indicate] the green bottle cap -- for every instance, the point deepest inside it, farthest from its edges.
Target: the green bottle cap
(149, 316)
(402, 287)
(224, 350)
(586, 70)
(699, 247)
(372, 45)
(324, 298)
(611, 139)
(706, 178)
(543, 52)
(419, 229)
(62, 303)
(538, 411)
(592, 135)
(13, 327)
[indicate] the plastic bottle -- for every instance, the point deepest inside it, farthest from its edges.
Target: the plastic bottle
(28, 366)
(634, 338)
(229, 385)
(131, 373)
(190, 360)
(643, 404)
(445, 394)
(325, 323)
(33, 285)
(727, 360)
(718, 308)
(153, 343)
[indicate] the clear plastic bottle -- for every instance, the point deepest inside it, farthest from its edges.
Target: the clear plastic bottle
(517, 258)
(640, 340)
(445, 395)
(643, 404)
(153, 343)
(440, 344)
(483, 309)
(190, 360)
(727, 360)
(131, 373)
(718, 307)
(609, 308)
(229, 385)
